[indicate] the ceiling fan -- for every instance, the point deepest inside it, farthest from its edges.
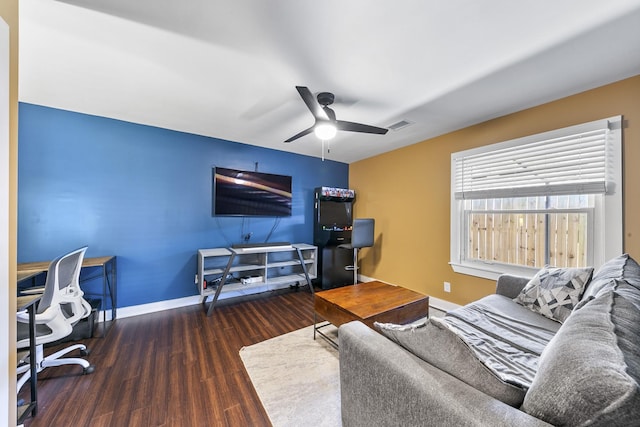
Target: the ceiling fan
(326, 124)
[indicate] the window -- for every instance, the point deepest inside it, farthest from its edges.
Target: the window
(553, 198)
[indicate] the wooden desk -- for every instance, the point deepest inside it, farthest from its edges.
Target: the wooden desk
(368, 302)
(26, 275)
(29, 303)
(109, 275)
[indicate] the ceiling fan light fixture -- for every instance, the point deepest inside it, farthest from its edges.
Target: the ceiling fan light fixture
(326, 125)
(325, 131)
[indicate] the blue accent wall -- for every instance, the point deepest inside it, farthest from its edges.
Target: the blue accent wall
(144, 194)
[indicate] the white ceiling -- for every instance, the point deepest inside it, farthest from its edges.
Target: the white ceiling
(228, 68)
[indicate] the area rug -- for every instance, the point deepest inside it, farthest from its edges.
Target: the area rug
(296, 378)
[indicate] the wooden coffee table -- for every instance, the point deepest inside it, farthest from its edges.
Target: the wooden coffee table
(367, 302)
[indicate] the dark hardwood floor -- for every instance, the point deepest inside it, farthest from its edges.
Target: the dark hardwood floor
(171, 368)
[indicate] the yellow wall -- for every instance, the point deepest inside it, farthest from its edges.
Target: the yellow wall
(407, 190)
(9, 13)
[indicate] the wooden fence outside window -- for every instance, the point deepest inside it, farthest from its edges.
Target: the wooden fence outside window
(527, 238)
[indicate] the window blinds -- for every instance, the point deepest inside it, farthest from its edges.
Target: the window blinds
(569, 161)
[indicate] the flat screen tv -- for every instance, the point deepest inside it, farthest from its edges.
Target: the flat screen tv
(245, 193)
(333, 213)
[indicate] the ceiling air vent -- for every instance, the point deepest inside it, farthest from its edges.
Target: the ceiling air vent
(399, 125)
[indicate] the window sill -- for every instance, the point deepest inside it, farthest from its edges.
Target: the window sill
(491, 271)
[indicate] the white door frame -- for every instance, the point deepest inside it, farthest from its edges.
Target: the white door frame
(6, 394)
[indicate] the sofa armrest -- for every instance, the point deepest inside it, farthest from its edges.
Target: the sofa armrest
(510, 286)
(384, 385)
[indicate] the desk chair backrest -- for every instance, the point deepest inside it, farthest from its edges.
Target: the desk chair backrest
(62, 287)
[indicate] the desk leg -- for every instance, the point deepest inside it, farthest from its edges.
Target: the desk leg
(32, 407)
(104, 300)
(113, 288)
(109, 278)
(33, 359)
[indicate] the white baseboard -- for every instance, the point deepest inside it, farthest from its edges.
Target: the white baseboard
(137, 310)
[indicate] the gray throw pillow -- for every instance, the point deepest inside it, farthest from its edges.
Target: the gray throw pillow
(554, 292)
(622, 267)
(589, 374)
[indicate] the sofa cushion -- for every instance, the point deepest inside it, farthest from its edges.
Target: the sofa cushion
(589, 374)
(437, 345)
(622, 267)
(475, 344)
(554, 292)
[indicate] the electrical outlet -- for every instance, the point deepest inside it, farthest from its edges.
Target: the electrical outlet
(447, 287)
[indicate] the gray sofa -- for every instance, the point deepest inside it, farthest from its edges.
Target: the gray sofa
(505, 360)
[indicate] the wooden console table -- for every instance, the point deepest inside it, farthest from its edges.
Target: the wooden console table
(367, 302)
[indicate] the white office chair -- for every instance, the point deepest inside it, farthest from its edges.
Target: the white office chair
(362, 236)
(62, 305)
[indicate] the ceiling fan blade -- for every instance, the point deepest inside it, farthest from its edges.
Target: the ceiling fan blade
(301, 134)
(313, 106)
(331, 115)
(358, 127)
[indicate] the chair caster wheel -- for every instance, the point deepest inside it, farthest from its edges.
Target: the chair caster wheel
(88, 370)
(85, 352)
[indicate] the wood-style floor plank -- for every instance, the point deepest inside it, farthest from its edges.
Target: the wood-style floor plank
(172, 368)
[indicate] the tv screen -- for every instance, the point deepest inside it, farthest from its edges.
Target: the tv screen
(245, 193)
